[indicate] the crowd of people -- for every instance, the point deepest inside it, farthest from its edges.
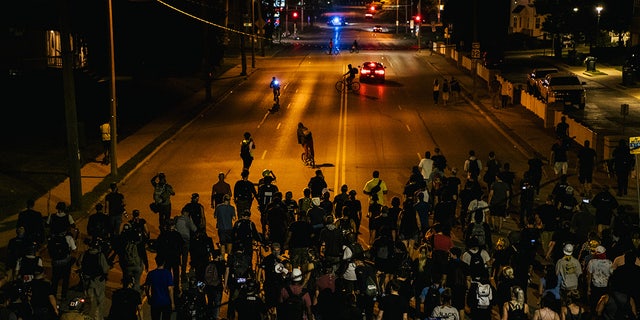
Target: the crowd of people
(439, 250)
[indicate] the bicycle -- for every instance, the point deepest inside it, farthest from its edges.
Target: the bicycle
(308, 159)
(344, 84)
(354, 49)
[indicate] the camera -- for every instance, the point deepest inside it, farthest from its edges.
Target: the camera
(241, 280)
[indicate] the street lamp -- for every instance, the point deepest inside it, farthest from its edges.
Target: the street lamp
(598, 10)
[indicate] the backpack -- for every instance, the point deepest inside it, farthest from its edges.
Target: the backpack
(241, 266)
(293, 307)
(357, 251)
(432, 299)
(474, 168)
(371, 287)
(59, 224)
(243, 230)
(91, 264)
(131, 256)
(478, 232)
(382, 251)
(59, 248)
(477, 267)
(211, 276)
(484, 296)
(375, 189)
(159, 193)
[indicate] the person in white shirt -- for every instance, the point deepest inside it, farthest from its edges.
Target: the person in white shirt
(445, 311)
(426, 166)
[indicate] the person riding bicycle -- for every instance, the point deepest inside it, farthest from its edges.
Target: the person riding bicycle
(354, 46)
(275, 85)
(305, 139)
(351, 73)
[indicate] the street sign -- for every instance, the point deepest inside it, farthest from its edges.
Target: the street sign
(634, 145)
(475, 50)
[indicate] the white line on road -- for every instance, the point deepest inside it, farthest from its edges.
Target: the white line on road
(288, 106)
(408, 128)
(264, 154)
(263, 119)
(278, 126)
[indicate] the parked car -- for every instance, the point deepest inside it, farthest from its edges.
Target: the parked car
(563, 88)
(535, 78)
(372, 71)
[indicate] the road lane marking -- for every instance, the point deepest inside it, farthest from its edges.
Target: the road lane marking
(263, 119)
(278, 126)
(408, 128)
(264, 154)
(288, 105)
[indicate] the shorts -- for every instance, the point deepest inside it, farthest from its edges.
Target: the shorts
(585, 177)
(226, 236)
(560, 167)
(499, 211)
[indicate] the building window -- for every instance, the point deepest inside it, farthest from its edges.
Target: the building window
(537, 22)
(54, 51)
(515, 22)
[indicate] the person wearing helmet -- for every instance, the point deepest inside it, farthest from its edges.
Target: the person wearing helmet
(250, 305)
(267, 173)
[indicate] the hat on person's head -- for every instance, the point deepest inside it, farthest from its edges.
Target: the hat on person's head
(600, 249)
(569, 190)
(568, 249)
(315, 201)
(195, 195)
(296, 275)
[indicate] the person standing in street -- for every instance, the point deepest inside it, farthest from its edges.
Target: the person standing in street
(218, 190)
(105, 135)
(445, 91)
(376, 186)
(246, 150)
(196, 211)
(60, 247)
(94, 269)
(586, 165)
(623, 163)
(317, 184)
(225, 214)
(159, 288)
(559, 157)
(32, 222)
(115, 207)
(436, 91)
(244, 191)
(162, 192)
(455, 89)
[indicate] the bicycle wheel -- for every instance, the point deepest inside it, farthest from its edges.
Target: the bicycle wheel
(355, 86)
(340, 85)
(304, 159)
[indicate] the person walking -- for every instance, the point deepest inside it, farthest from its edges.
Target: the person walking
(225, 215)
(446, 89)
(436, 91)
(159, 288)
(455, 89)
(218, 190)
(244, 191)
(115, 207)
(586, 166)
(105, 136)
(376, 186)
(94, 269)
(196, 211)
(246, 150)
(623, 163)
(162, 192)
(32, 222)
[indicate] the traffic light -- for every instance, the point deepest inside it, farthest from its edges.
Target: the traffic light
(295, 14)
(418, 19)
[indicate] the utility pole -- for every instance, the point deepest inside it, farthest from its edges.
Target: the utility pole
(71, 116)
(113, 101)
(253, 36)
